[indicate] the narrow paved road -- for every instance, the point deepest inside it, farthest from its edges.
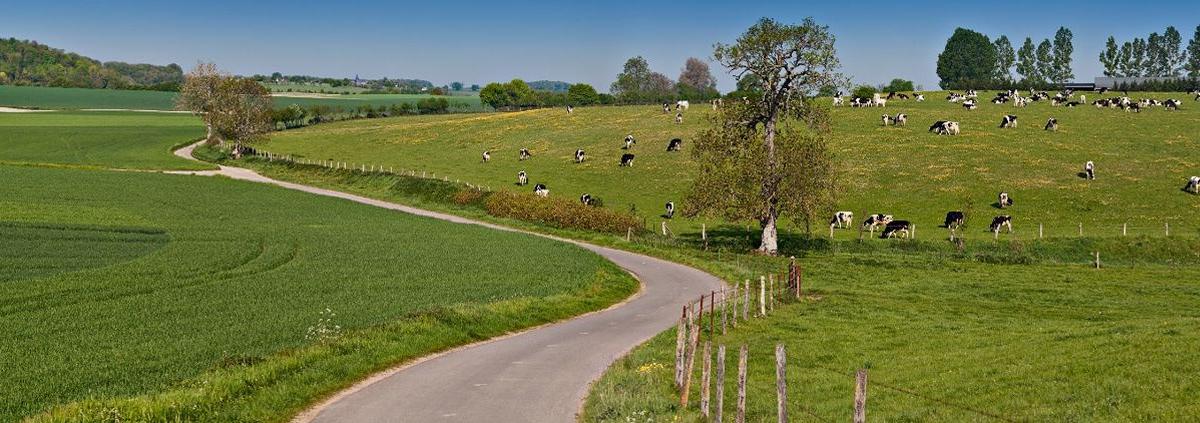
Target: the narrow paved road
(540, 375)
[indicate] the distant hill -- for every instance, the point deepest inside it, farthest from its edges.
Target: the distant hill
(24, 62)
(552, 86)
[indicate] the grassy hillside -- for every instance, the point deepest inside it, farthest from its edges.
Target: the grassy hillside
(86, 98)
(98, 139)
(1142, 159)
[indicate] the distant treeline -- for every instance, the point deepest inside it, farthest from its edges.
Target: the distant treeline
(295, 116)
(24, 62)
(383, 85)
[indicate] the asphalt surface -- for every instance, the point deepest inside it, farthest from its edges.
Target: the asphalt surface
(540, 375)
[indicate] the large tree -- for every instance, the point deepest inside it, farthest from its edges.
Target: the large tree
(1110, 57)
(1193, 55)
(768, 156)
(1027, 62)
(637, 83)
(1063, 49)
(695, 74)
(233, 108)
(1172, 53)
(1155, 62)
(968, 60)
(1005, 58)
(1045, 61)
(582, 94)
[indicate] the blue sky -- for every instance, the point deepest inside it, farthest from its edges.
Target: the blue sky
(478, 42)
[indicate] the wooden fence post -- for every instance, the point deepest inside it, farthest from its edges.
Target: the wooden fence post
(1080, 228)
(693, 342)
(1125, 229)
(720, 383)
(860, 396)
(771, 292)
(1097, 259)
(712, 312)
(704, 235)
(746, 302)
(724, 310)
(781, 383)
(680, 335)
(741, 400)
(700, 316)
(914, 231)
(1039, 231)
(628, 233)
(733, 306)
(704, 379)
(1168, 228)
(762, 296)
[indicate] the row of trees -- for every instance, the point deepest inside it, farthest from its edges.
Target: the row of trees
(518, 95)
(295, 116)
(637, 84)
(1156, 56)
(24, 62)
(971, 60)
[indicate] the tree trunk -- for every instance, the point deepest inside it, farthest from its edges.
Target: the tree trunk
(770, 237)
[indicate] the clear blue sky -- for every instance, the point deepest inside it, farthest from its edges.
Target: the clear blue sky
(478, 42)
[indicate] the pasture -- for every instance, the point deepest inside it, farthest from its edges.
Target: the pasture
(54, 98)
(121, 140)
(1142, 161)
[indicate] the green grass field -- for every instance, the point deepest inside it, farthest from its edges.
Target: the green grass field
(98, 139)
(1142, 161)
(54, 98)
(314, 88)
(144, 296)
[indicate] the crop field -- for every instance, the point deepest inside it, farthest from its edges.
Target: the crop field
(54, 98)
(1142, 159)
(317, 88)
(121, 140)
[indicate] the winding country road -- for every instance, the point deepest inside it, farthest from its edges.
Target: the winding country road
(539, 375)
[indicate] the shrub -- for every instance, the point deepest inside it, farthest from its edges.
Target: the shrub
(864, 91)
(467, 196)
(560, 213)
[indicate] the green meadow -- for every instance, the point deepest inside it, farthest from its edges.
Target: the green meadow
(122, 140)
(53, 98)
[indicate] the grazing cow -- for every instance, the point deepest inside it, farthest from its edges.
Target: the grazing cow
(860, 102)
(1132, 107)
(880, 102)
(1004, 200)
(970, 105)
(902, 96)
(1089, 170)
(875, 221)
(1020, 101)
(838, 101)
(541, 190)
(887, 120)
(675, 144)
(944, 127)
(682, 105)
(1071, 104)
(579, 156)
(901, 119)
(972, 94)
(1103, 90)
(487, 155)
(1082, 98)
(585, 199)
(1009, 121)
(525, 153)
(1193, 185)
(522, 178)
(679, 118)
(1001, 221)
(955, 219)
(1052, 124)
(570, 110)
(842, 220)
(666, 108)
(919, 97)
(897, 228)
(670, 210)
(626, 160)
(629, 142)
(1172, 104)
(891, 95)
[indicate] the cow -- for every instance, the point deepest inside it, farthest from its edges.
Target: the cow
(1003, 200)
(879, 102)
(970, 105)
(629, 142)
(1072, 104)
(1082, 98)
(1052, 125)
(666, 108)
(887, 120)
(682, 105)
(1132, 107)
(891, 95)
(901, 119)
(541, 191)
(955, 219)
(919, 97)
(1009, 121)
(522, 178)
(838, 101)
(585, 199)
(679, 118)
(842, 220)
(1089, 170)
(570, 110)
(1001, 221)
(675, 144)
(1193, 185)
(525, 154)
(487, 155)
(626, 160)
(897, 228)
(902, 96)
(670, 210)
(875, 221)
(1172, 104)
(580, 156)
(1103, 90)
(944, 127)
(972, 94)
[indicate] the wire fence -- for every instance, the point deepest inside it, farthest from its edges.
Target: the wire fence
(356, 167)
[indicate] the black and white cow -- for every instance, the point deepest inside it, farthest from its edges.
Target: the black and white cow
(1052, 124)
(626, 160)
(897, 229)
(675, 144)
(670, 210)
(1172, 104)
(522, 178)
(1001, 221)
(944, 127)
(570, 109)
(901, 119)
(842, 220)
(679, 118)
(1009, 121)
(955, 219)
(487, 155)
(580, 156)
(666, 108)
(629, 142)
(1132, 107)
(1193, 185)
(1089, 170)
(525, 153)
(585, 199)
(888, 120)
(875, 221)
(919, 97)
(1003, 200)
(682, 105)
(541, 190)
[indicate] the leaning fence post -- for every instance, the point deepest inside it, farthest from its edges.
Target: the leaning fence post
(741, 400)
(693, 342)
(704, 379)
(781, 383)
(860, 396)
(680, 333)
(720, 383)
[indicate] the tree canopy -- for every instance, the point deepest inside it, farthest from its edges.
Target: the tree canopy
(638, 84)
(968, 60)
(233, 108)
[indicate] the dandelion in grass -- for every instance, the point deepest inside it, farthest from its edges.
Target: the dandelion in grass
(650, 368)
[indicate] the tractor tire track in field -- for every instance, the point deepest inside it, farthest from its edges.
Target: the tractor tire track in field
(539, 375)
